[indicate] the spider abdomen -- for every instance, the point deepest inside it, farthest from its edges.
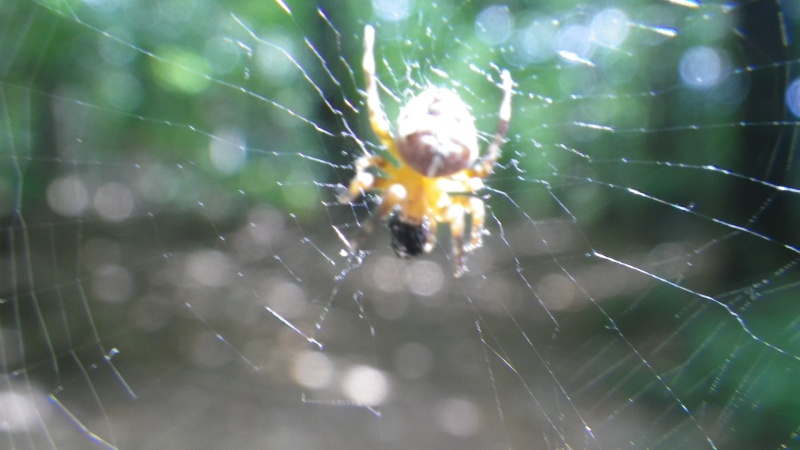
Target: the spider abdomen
(409, 239)
(437, 135)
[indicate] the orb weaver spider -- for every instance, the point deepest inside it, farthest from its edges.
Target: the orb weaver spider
(434, 155)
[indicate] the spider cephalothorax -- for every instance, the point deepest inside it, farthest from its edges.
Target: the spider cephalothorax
(435, 154)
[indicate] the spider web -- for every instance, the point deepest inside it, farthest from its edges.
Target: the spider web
(173, 258)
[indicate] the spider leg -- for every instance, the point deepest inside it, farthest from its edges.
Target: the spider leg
(363, 180)
(455, 216)
(485, 167)
(477, 210)
(377, 116)
(432, 226)
(390, 199)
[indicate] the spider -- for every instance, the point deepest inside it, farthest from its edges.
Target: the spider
(434, 155)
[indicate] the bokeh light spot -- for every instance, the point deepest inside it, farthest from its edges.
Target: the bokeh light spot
(793, 97)
(67, 196)
(574, 43)
(222, 54)
(180, 70)
(209, 268)
(556, 291)
(703, 67)
(113, 202)
(313, 370)
(113, 283)
(284, 297)
(610, 27)
(273, 59)
(458, 417)
(425, 278)
(365, 385)
(494, 25)
(113, 50)
(227, 150)
(534, 43)
(392, 10)
(18, 412)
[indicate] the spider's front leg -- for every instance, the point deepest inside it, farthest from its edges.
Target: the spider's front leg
(377, 116)
(364, 181)
(484, 168)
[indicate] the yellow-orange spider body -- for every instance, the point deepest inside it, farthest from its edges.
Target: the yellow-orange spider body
(435, 155)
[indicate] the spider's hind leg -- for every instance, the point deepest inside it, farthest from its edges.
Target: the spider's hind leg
(363, 182)
(477, 211)
(455, 216)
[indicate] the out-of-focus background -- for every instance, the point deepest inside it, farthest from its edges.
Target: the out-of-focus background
(173, 267)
